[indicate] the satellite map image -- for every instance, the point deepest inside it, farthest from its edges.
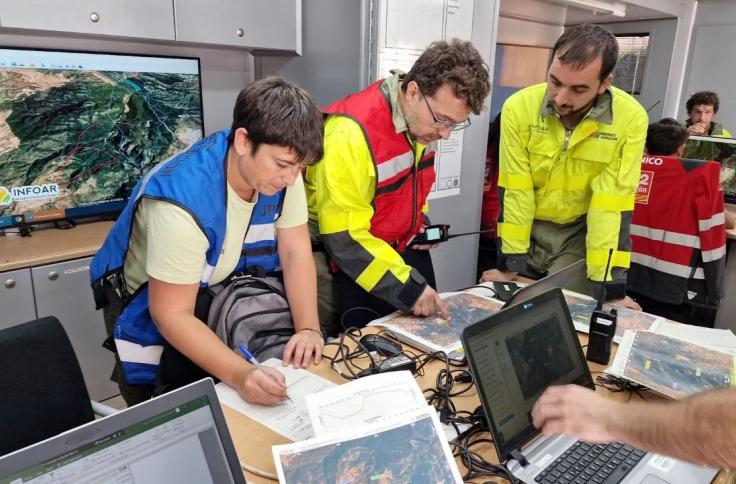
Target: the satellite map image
(581, 308)
(409, 453)
(464, 309)
(90, 135)
(676, 368)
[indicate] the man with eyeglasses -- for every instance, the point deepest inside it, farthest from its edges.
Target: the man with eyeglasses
(570, 159)
(367, 197)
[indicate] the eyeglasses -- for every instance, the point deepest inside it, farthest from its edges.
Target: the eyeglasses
(441, 123)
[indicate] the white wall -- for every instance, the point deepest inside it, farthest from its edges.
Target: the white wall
(224, 71)
(661, 41)
(530, 22)
(711, 62)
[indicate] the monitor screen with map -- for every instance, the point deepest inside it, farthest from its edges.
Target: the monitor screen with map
(722, 150)
(78, 130)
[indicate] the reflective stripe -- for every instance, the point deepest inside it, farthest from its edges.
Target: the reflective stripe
(372, 274)
(599, 258)
(714, 221)
(207, 273)
(135, 353)
(394, 166)
(513, 231)
(609, 201)
(666, 236)
(715, 254)
(678, 270)
(260, 232)
(515, 181)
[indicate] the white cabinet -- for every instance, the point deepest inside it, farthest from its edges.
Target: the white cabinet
(63, 290)
(16, 298)
(147, 19)
(259, 24)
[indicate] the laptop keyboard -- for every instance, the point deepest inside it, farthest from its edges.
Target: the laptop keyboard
(592, 463)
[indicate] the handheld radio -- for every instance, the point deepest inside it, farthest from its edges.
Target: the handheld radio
(434, 234)
(602, 327)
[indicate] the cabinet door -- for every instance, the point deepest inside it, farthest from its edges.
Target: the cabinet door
(272, 24)
(150, 19)
(16, 298)
(63, 290)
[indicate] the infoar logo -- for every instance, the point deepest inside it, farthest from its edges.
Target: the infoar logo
(5, 197)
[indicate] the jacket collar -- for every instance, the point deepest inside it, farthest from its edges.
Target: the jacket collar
(602, 110)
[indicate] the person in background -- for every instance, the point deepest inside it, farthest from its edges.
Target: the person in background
(570, 161)
(702, 107)
(697, 429)
(185, 227)
(367, 197)
(487, 247)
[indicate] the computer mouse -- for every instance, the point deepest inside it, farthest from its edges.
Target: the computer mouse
(380, 344)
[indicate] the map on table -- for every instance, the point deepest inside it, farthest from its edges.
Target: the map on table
(673, 367)
(436, 332)
(582, 307)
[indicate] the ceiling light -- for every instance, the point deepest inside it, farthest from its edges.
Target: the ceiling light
(617, 9)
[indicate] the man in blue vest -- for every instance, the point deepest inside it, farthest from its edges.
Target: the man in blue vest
(185, 227)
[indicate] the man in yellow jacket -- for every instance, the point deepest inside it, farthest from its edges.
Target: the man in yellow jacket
(367, 198)
(570, 160)
(702, 107)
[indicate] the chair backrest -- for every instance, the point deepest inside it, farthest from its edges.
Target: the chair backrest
(42, 390)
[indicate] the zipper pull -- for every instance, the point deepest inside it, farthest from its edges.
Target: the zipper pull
(568, 134)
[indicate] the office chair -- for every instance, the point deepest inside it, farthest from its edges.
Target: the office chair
(43, 391)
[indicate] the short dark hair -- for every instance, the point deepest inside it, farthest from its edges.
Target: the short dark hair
(456, 63)
(703, 97)
(276, 111)
(665, 136)
(582, 44)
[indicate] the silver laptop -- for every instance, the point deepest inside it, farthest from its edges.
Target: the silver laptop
(515, 355)
(178, 437)
(559, 279)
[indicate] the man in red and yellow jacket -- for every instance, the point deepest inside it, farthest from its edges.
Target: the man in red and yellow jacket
(367, 198)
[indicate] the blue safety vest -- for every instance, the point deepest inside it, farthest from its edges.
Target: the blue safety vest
(196, 181)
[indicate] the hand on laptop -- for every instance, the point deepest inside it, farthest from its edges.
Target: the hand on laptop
(576, 411)
(267, 387)
(430, 303)
(626, 302)
(497, 276)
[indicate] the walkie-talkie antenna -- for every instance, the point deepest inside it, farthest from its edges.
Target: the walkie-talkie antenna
(602, 298)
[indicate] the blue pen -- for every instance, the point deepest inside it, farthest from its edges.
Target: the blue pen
(252, 359)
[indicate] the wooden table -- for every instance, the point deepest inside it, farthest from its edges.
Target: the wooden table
(253, 441)
(49, 245)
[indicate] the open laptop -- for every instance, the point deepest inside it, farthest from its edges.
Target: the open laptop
(559, 279)
(514, 356)
(178, 437)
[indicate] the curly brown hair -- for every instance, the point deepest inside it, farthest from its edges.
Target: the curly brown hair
(703, 97)
(456, 63)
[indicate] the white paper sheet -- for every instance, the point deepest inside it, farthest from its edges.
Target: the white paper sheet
(411, 448)
(364, 402)
(289, 419)
(717, 339)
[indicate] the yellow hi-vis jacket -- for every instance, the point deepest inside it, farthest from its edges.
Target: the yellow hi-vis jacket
(550, 173)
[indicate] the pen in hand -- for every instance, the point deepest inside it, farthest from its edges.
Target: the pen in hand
(252, 360)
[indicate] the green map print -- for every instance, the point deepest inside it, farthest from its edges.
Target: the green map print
(94, 133)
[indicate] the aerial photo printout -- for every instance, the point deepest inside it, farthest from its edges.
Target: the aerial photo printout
(465, 309)
(71, 136)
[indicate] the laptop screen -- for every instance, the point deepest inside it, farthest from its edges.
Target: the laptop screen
(173, 444)
(515, 355)
(722, 150)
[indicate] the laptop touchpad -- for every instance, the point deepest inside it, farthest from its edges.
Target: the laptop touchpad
(652, 479)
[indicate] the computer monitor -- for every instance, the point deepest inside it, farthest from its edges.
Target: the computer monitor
(178, 437)
(79, 129)
(722, 150)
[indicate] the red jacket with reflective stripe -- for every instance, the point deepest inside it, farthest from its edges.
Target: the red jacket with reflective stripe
(402, 185)
(678, 231)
